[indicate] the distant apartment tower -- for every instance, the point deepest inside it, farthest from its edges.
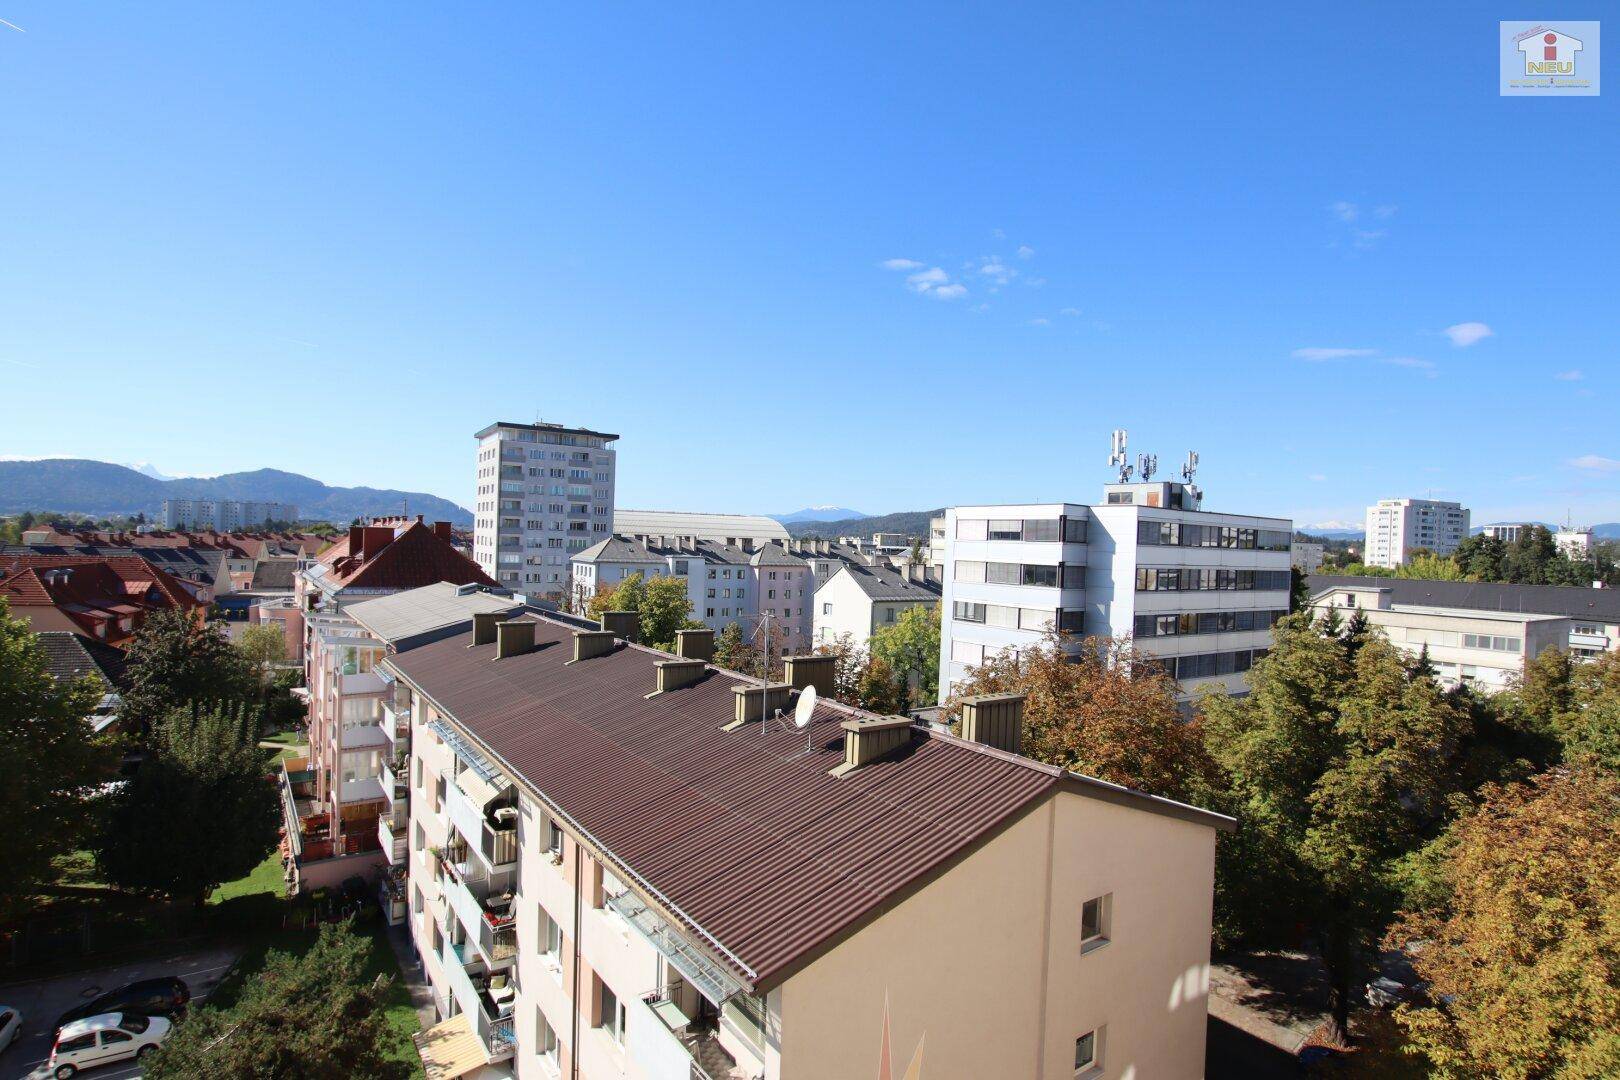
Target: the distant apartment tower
(224, 515)
(1506, 531)
(1397, 527)
(545, 491)
(1198, 590)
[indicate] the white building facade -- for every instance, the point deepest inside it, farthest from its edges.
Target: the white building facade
(1397, 527)
(1199, 590)
(224, 515)
(545, 491)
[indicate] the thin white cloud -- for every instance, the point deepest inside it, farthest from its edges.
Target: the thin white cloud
(999, 234)
(924, 280)
(1317, 478)
(1040, 322)
(1572, 375)
(1464, 334)
(17, 363)
(1406, 361)
(998, 271)
(1070, 311)
(900, 264)
(1317, 354)
(1335, 523)
(14, 26)
(1025, 251)
(949, 292)
(1596, 463)
(1367, 238)
(1385, 212)
(1345, 211)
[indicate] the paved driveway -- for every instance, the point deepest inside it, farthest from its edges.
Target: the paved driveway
(41, 1001)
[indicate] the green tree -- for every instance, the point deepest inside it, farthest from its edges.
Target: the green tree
(662, 602)
(909, 646)
(734, 652)
(201, 811)
(1299, 589)
(880, 689)
(1097, 708)
(1339, 770)
(263, 648)
(1576, 702)
(54, 757)
(175, 661)
(1432, 567)
(311, 1017)
(1523, 945)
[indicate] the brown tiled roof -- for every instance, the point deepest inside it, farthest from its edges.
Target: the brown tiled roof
(741, 833)
(133, 573)
(416, 556)
(72, 656)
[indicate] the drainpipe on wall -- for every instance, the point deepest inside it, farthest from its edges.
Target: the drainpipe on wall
(573, 1056)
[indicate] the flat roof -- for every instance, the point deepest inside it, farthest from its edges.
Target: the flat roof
(742, 835)
(1570, 600)
(561, 428)
(403, 616)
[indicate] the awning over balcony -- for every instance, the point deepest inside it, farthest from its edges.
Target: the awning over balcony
(467, 752)
(449, 1049)
(712, 981)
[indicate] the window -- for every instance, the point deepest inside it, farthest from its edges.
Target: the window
(1035, 619)
(72, 1046)
(826, 608)
(1041, 575)
(551, 935)
(113, 1038)
(970, 529)
(966, 611)
(967, 652)
(1095, 915)
(545, 1039)
(1088, 1054)
(554, 839)
(611, 887)
(1003, 573)
(613, 1016)
(1046, 531)
(1007, 529)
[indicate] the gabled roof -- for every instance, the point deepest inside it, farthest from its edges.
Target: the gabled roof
(126, 575)
(881, 583)
(742, 835)
(774, 555)
(413, 557)
(1568, 600)
(201, 565)
(276, 573)
(616, 549)
(72, 656)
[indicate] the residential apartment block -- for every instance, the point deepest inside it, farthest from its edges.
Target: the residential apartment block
(620, 864)
(726, 583)
(1397, 527)
(545, 492)
(859, 600)
(1199, 590)
(332, 800)
(733, 529)
(223, 515)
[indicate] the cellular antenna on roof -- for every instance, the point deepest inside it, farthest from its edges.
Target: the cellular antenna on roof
(1188, 471)
(1147, 465)
(1117, 458)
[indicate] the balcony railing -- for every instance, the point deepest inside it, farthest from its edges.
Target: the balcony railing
(673, 1051)
(392, 838)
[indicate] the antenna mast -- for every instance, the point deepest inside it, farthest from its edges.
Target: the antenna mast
(1188, 471)
(1118, 458)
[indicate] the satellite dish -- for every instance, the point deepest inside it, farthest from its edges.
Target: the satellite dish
(806, 706)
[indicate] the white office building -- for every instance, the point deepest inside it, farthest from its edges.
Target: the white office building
(1397, 527)
(545, 491)
(224, 515)
(1199, 590)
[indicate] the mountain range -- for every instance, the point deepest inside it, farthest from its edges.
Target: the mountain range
(98, 488)
(819, 513)
(909, 522)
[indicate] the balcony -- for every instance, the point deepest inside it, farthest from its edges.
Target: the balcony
(396, 722)
(485, 998)
(361, 682)
(394, 788)
(678, 1048)
(391, 836)
(485, 907)
(1588, 641)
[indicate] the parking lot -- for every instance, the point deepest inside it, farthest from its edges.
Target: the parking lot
(41, 1001)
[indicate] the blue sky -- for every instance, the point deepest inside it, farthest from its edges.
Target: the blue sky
(340, 239)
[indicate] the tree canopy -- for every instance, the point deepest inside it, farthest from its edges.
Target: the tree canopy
(176, 661)
(1522, 956)
(1096, 707)
(53, 757)
(202, 810)
(662, 602)
(909, 647)
(315, 1016)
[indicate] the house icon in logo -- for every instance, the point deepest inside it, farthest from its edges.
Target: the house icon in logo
(1549, 53)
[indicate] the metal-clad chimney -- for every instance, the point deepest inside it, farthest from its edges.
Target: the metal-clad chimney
(513, 638)
(869, 740)
(694, 644)
(624, 624)
(591, 643)
(814, 669)
(758, 702)
(677, 674)
(484, 627)
(996, 720)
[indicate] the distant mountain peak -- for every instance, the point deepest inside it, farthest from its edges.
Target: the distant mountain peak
(146, 468)
(819, 513)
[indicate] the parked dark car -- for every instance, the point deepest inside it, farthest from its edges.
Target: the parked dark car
(149, 997)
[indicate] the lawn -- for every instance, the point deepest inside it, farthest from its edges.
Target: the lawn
(290, 744)
(264, 878)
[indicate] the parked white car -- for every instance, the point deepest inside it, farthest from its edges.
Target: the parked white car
(101, 1040)
(10, 1024)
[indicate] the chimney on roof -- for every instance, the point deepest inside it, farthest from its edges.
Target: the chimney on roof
(376, 537)
(694, 644)
(441, 529)
(872, 739)
(356, 537)
(513, 638)
(591, 643)
(484, 627)
(677, 674)
(758, 702)
(811, 670)
(624, 624)
(996, 720)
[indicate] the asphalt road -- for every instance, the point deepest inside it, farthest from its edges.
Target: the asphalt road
(41, 1001)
